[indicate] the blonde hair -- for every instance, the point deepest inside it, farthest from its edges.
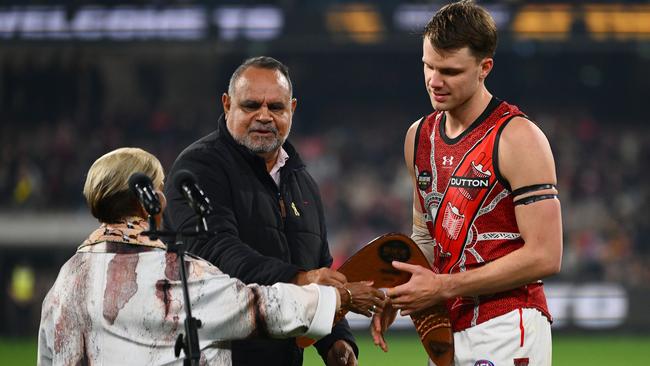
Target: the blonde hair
(107, 184)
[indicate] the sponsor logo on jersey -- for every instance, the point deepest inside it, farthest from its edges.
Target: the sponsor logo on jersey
(465, 182)
(424, 180)
(447, 160)
(474, 179)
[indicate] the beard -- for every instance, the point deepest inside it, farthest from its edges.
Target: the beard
(261, 144)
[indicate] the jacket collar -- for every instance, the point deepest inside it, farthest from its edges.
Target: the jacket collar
(294, 161)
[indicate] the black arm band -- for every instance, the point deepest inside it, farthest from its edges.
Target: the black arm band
(531, 199)
(532, 188)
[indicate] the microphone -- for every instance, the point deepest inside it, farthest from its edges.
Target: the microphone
(186, 183)
(141, 185)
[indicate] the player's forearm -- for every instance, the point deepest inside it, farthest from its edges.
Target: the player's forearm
(421, 236)
(513, 270)
(539, 257)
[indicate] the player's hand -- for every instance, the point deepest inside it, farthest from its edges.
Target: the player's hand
(380, 323)
(341, 354)
(321, 276)
(366, 299)
(420, 292)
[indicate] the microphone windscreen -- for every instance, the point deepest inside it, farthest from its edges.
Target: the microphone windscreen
(139, 179)
(183, 176)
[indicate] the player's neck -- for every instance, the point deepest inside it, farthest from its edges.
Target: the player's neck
(460, 118)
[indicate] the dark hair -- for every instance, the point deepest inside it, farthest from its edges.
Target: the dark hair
(462, 24)
(112, 209)
(262, 62)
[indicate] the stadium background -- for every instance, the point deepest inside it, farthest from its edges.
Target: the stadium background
(80, 78)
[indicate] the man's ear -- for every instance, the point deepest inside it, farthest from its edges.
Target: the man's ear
(225, 101)
(486, 66)
(294, 104)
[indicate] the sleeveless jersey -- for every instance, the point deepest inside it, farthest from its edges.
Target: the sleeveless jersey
(469, 210)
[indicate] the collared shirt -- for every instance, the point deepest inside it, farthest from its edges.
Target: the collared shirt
(279, 163)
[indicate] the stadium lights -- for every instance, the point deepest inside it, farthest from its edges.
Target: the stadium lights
(360, 23)
(543, 22)
(123, 23)
(260, 23)
(38, 20)
(413, 17)
(94, 22)
(618, 21)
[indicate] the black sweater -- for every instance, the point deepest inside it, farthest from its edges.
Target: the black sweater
(264, 234)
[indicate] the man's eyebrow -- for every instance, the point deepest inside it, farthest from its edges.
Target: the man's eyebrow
(250, 103)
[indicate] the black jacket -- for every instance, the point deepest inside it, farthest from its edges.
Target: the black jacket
(264, 234)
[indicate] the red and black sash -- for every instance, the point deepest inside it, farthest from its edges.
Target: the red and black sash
(468, 187)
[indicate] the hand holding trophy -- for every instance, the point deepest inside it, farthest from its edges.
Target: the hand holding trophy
(375, 262)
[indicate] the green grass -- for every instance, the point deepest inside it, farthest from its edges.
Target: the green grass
(405, 350)
(18, 351)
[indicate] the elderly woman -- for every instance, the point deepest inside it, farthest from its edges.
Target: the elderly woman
(118, 300)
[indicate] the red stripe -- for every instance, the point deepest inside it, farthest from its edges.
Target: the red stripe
(521, 327)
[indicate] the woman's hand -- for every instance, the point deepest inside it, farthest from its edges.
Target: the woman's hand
(365, 300)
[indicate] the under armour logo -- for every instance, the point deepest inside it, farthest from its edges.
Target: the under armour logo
(447, 160)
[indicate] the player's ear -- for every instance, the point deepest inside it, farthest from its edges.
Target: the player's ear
(486, 66)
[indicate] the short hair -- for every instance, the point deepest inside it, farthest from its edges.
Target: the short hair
(107, 184)
(262, 62)
(461, 24)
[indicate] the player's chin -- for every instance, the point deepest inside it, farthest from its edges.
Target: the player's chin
(438, 105)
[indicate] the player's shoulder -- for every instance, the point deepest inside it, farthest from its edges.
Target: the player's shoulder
(523, 148)
(521, 131)
(416, 126)
(409, 140)
(412, 131)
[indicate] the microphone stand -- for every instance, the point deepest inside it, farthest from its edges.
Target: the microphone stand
(189, 343)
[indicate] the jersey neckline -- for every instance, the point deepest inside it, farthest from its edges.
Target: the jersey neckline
(494, 103)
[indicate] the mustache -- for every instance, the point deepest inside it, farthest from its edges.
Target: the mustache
(263, 128)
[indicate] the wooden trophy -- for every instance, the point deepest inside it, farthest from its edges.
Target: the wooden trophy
(373, 263)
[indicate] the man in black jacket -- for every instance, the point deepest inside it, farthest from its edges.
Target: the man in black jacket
(268, 212)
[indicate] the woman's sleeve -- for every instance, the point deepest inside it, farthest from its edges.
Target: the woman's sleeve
(229, 309)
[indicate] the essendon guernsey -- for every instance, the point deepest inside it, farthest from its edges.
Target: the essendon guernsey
(469, 210)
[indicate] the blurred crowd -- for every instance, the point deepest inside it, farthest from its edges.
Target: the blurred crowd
(56, 122)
